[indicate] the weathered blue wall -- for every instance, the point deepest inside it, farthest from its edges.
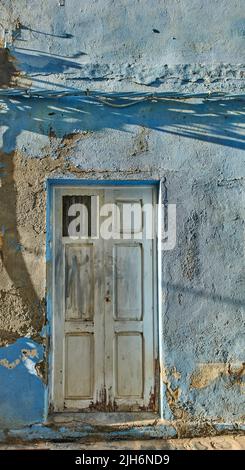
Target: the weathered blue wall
(21, 391)
(118, 48)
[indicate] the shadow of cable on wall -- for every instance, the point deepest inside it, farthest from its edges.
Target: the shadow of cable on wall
(216, 121)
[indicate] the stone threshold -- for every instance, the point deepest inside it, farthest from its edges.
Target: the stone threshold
(95, 428)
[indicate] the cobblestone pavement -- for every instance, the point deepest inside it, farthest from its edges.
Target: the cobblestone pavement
(201, 443)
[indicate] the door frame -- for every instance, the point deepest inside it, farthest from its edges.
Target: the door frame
(51, 184)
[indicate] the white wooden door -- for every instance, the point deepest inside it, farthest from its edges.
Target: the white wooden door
(104, 350)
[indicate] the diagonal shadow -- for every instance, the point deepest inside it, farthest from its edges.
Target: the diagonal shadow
(216, 122)
(11, 254)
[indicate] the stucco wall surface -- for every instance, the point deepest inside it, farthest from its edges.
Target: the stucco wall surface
(121, 50)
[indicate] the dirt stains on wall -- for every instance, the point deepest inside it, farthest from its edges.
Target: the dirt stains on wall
(10, 76)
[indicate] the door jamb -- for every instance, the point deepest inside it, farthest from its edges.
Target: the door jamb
(51, 183)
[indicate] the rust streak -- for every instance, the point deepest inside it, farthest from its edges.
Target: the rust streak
(103, 403)
(154, 394)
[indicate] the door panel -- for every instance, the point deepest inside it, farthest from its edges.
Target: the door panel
(79, 363)
(79, 282)
(128, 282)
(103, 302)
(77, 300)
(129, 374)
(129, 366)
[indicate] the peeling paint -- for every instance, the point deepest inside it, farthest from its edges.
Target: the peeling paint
(21, 390)
(236, 373)
(191, 262)
(9, 365)
(173, 393)
(207, 373)
(25, 355)
(176, 374)
(141, 142)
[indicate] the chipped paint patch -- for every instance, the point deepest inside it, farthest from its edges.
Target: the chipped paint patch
(9, 365)
(173, 393)
(208, 373)
(141, 142)
(68, 143)
(176, 374)
(21, 389)
(236, 373)
(26, 356)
